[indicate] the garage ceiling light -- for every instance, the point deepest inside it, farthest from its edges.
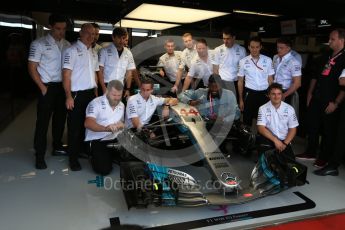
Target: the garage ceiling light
(145, 25)
(171, 13)
(256, 13)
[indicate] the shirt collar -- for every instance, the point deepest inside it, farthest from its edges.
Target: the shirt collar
(82, 45)
(279, 108)
(251, 57)
(143, 99)
(50, 39)
(286, 56)
(105, 99)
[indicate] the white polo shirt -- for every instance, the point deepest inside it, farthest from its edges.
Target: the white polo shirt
(228, 59)
(256, 72)
(46, 51)
(137, 106)
(201, 69)
(171, 64)
(115, 67)
(286, 69)
(187, 56)
(100, 109)
(278, 121)
(297, 56)
(84, 63)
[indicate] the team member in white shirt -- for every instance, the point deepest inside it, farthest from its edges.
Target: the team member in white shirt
(80, 64)
(201, 67)
(116, 61)
(277, 122)
(298, 57)
(171, 62)
(104, 115)
(225, 59)
(45, 69)
(189, 52)
(141, 106)
(96, 47)
(256, 71)
(187, 56)
(287, 69)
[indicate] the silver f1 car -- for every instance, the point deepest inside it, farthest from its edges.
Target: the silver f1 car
(160, 171)
(232, 179)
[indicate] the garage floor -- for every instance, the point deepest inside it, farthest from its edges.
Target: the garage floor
(57, 198)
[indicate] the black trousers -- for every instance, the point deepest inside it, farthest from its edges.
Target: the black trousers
(252, 101)
(288, 98)
(75, 123)
(102, 156)
(265, 144)
(339, 148)
(52, 104)
(318, 122)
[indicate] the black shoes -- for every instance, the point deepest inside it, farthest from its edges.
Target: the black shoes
(327, 170)
(75, 165)
(60, 151)
(40, 164)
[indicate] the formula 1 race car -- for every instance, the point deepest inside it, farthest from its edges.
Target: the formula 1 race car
(165, 172)
(228, 180)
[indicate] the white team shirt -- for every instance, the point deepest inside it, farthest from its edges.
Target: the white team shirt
(187, 57)
(47, 53)
(137, 106)
(256, 73)
(297, 56)
(200, 69)
(228, 59)
(286, 69)
(278, 121)
(171, 64)
(84, 63)
(100, 109)
(342, 74)
(115, 67)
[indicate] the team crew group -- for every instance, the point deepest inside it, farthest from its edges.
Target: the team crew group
(71, 76)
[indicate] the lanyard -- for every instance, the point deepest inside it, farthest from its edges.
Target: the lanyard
(211, 106)
(327, 69)
(331, 60)
(256, 64)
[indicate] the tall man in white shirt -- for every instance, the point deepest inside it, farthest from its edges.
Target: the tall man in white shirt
(104, 115)
(277, 122)
(45, 69)
(287, 69)
(96, 47)
(200, 69)
(171, 62)
(141, 106)
(225, 60)
(187, 56)
(80, 63)
(116, 61)
(189, 52)
(256, 71)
